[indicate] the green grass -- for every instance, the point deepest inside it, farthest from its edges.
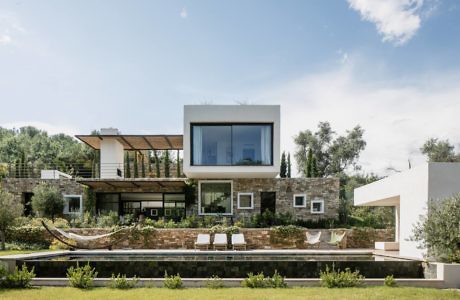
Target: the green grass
(11, 252)
(373, 293)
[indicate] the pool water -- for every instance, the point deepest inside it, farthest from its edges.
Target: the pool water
(223, 264)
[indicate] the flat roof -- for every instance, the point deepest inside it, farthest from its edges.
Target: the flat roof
(132, 182)
(136, 142)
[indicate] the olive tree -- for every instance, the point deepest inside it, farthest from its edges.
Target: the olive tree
(47, 201)
(10, 209)
(439, 229)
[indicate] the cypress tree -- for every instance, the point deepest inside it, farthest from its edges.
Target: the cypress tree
(283, 165)
(314, 167)
(166, 163)
(157, 164)
(178, 173)
(289, 165)
(309, 163)
(143, 165)
(149, 160)
(136, 167)
(128, 166)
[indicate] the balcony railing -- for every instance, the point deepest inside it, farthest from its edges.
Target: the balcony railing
(106, 170)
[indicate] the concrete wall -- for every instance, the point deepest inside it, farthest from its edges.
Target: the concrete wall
(112, 158)
(232, 114)
(411, 190)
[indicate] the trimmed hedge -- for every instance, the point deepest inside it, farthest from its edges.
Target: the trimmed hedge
(28, 235)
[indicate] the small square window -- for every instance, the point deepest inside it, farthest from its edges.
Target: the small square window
(168, 212)
(72, 204)
(317, 206)
(300, 200)
(245, 200)
(154, 212)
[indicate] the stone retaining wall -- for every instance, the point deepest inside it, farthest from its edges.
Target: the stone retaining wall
(256, 238)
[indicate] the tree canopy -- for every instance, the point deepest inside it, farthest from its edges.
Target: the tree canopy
(10, 210)
(47, 201)
(333, 154)
(439, 151)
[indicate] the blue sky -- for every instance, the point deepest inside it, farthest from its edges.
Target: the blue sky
(392, 66)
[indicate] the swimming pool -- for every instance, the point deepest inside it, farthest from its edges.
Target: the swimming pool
(225, 264)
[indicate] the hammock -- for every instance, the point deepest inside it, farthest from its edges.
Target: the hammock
(82, 242)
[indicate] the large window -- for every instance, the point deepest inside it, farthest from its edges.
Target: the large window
(232, 144)
(215, 197)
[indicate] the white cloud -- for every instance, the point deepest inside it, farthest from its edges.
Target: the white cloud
(5, 39)
(183, 13)
(398, 118)
(50, 128)
(396, 20)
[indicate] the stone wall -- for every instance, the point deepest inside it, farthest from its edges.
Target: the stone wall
(19, 186)
(256, 238)
(326, 189)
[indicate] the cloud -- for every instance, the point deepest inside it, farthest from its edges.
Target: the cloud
(50, 128)
(5, 39)
(396, 20)
(183, 13)
(397, 117)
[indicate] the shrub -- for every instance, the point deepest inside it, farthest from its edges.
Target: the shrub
(58, 245)
(214, 282)
(28, 235)
(10, 209)
(19, 279)
(455, 257)
(390, 281)
(439, 229)
(24, 246)
(255, 281)
(109, 220)
(172, 282)
(81, 277)
(260, 281)
(340, 279)
(121, 282)
(47, 200)
(277, 281)
(224, 229)
(286, 234)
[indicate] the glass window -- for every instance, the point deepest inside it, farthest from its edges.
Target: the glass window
(72, 204)
(300, 200)
(215, 198)
(107, 203)
(317, 206)
(221, 145)
(212, 145)
(245, 201)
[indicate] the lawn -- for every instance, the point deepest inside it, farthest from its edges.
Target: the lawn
(11, 252)
(231, 293)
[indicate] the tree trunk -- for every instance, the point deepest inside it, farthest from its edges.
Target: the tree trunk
(2, 236)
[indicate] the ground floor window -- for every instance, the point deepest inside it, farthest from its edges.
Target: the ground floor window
(215, 197)
(72, 204)
(317, 206)
(300, 200)
(245, 200)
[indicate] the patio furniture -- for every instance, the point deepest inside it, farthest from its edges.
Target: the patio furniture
(76, 241)
(313, 239)
(238, 241)
(337, 239)
(220, 241)
(203, 240)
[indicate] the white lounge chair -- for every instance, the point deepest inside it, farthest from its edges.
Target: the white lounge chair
(337, 239)
(220, 241)
(313, 239)
(203, 240)
(238, 241)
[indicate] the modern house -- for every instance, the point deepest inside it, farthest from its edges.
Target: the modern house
(231, 160)
(409, 192)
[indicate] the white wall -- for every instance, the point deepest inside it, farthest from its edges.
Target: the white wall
(411, 189)
(112, 157)
(232, 114)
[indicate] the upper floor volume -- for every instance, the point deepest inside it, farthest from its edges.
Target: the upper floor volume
(219, 141)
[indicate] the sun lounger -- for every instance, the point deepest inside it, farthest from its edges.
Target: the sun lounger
(337, 239)
(220, 241)
(313, 239)
(203, 241)
(238, 241)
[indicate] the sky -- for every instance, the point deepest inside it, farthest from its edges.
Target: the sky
(391, 66)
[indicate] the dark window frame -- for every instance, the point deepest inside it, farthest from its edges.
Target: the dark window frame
(231, 124)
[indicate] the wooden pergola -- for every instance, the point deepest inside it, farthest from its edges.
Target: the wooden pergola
(136, 142)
